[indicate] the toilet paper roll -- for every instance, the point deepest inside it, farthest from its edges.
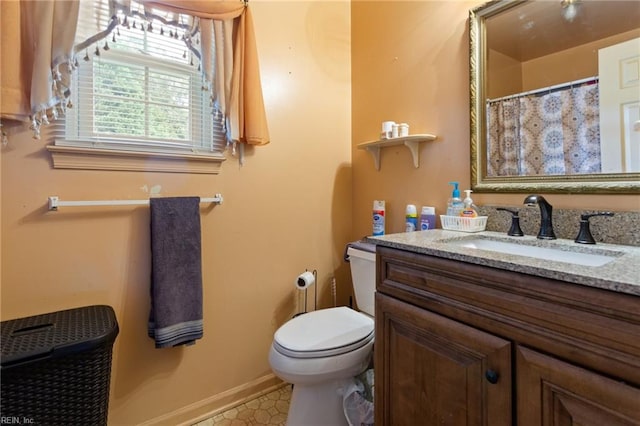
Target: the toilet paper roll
(304, 280)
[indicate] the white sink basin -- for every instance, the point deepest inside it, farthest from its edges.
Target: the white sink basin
(542, 253)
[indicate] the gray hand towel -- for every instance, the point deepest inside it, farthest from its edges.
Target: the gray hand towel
(176, 271)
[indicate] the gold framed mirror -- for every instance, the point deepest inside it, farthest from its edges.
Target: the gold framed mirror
(526, 58)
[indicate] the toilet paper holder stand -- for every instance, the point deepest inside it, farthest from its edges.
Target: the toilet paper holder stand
(303, 283)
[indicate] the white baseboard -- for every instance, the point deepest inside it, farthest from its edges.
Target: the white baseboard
(218, 403)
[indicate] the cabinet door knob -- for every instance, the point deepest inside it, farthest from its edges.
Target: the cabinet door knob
(491, 376)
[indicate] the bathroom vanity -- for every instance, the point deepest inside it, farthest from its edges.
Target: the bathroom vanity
(468, 336)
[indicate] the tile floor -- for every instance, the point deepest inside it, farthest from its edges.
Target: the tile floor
(269, 409)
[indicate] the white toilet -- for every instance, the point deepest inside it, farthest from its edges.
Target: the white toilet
(320, 351)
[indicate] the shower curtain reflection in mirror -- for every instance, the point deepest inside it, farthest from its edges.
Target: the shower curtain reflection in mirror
(550, 132)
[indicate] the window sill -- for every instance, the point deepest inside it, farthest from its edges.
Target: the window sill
(65, 157)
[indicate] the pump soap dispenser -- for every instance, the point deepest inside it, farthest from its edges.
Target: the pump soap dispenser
(454, 205)
(469, 209)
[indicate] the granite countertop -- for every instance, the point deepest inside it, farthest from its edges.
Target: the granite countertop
(621, 275)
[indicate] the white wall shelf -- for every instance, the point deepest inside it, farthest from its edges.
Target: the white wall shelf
(412, 142)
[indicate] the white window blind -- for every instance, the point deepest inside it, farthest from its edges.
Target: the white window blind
(141, 88)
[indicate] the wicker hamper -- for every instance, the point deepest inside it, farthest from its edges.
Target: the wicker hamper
(56, 367)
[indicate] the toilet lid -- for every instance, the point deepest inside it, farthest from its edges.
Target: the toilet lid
(325, 332)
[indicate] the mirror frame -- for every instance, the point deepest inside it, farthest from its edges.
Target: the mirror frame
(608, 183)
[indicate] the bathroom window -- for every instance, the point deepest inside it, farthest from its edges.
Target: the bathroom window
(138, 100)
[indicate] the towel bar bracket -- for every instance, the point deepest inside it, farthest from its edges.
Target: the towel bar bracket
(53, 203)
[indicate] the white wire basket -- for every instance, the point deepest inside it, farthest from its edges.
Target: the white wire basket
(464, 224)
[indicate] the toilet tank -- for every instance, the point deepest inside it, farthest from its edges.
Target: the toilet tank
(362, 257)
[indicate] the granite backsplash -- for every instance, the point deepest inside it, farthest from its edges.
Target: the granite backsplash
(622, 228)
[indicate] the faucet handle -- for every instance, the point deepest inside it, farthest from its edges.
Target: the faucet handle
(589, 215)
(584, 235)
(515, 230)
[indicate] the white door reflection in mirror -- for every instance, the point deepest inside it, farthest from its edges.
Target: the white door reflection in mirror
(619, 71)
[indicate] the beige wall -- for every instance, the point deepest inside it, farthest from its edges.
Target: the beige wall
(552, 69)
(288, 209)
(410, 63)
(505, 76)
(508, 76)
(293, 205)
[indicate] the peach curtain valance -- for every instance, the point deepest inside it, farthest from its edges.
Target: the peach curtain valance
(237, 88)
(37, 59)
(14, 104)
(207, 9)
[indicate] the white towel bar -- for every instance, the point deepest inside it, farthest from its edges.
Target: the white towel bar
(55, 202)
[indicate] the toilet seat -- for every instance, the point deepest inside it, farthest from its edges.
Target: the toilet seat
(324, 333)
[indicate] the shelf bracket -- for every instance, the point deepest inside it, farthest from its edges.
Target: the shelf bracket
(413, 147)
(375, 153)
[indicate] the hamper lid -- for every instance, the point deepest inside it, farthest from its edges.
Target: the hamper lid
(56, 334)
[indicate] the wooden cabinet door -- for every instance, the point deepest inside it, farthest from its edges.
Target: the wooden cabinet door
(431, 370)
(553, 392)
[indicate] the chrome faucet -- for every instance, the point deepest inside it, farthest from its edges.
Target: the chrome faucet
(546, 210)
